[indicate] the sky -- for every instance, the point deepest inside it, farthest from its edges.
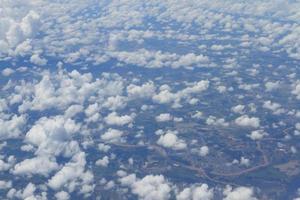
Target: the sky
(83, 81)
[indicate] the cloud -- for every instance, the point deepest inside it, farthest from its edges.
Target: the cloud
(296, 90)
(165, 96)
(62, 195)
(36, 59)
(150, 187)
(53, 136)
(238, 109)
(12, 128)
(239, 193)
(204, 150)
(211, 120)
(270, 86)
(7, 71)
(247, 121)
(196, 192)
(164, 117)
(38, 165)
(144, 91)
(170, 140)
(103, 162)
(257, 134)
(73, 175)
(114, 119)
(112, 136)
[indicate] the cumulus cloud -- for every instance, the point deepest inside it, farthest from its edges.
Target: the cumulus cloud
(53, 136)
(151, 187)
(114, 119)
(7, 71)
(165, 96)
(296, 90)
(196, 192)
(37, 165)
(257, 134)
(164, 117)
(12, 128)
(143, 91)
(103, 162)
(112, 136)
(73, 175)
(247, 121)
(239, 193)
(170, 140)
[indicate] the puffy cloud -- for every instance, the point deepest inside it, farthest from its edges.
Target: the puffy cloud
(61, 89)
(164, 117)
(73, 175)
(37, 165)
(144, 91)
(112, 136)
(239, 193)
(247, 121)
(73, 110)
(296, 90)
(211, 120)
(297, 127)
(257, 134)
(275, 107)
(170, 140)
(204, 150)
(29, 191)
(270, 86)
(151, 187)
(53, 136)
(62, 195)
(238, 109)
(103, 162)
(114, 119)
(19, 31)
(165, 96)
(12, 127)
(36, 59)
(115, 102)
(196, 192)
(244, 161)
(5, 184)
(7, 71)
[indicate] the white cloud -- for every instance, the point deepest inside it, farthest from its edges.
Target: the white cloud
(62, 195)
(165, 96)
(164, 117)
(170, 140)
(196, 192)
(144, 91)
(257, 134)
(204, 150)
(103, 162)
(247, 121)
(114, 119)
(212, 120)
(37, 165)
(112, 136)
(7, 71)
(239, 193)
(270, 86)
(53, 136)
(12, 127)
(151, 187)
(238, 109)
(296, 90)
(73, 175)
